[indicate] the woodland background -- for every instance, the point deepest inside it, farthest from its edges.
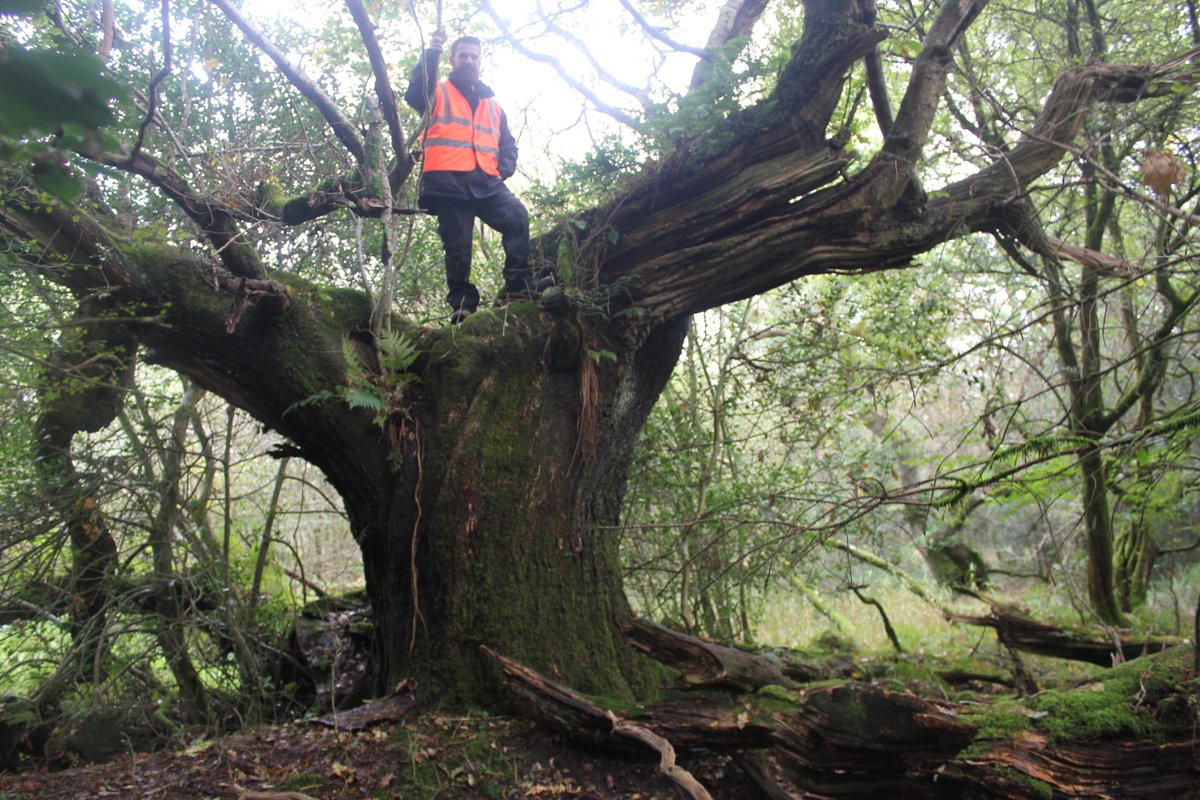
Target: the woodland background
(829, 462)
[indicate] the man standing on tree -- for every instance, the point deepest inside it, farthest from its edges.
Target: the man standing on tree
(468, 154)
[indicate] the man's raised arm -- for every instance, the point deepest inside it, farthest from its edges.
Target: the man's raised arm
(425, 75)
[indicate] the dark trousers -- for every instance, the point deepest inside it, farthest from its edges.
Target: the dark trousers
(456, 223)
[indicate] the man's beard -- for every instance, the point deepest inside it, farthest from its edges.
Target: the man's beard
(466, 75)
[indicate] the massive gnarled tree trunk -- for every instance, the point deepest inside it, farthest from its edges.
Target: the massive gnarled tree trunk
(482, 505)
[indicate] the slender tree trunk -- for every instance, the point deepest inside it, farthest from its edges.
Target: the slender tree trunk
(1135, 556)
(82, 390)
(1098, 521)
(170, 625)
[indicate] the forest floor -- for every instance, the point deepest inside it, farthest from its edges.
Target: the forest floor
(427, 755)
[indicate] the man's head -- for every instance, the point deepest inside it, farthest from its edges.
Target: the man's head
(464, 58)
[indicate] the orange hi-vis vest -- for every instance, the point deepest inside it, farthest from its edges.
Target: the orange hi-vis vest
(456, 140)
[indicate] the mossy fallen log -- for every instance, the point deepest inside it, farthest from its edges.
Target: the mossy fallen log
(1028, 635)
(1132, 733)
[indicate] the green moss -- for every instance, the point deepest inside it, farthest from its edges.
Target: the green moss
(1039, 787)
(1140, 698)
(1003, 719)
(773, 701)
(786, 696)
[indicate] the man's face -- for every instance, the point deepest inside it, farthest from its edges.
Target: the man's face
(464, 61)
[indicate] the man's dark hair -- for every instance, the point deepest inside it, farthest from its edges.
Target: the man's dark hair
(464, 40)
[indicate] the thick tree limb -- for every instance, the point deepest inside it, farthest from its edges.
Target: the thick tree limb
(878, 90)
(774, 235)
(889, 175)
(383, 87)
(216, 219)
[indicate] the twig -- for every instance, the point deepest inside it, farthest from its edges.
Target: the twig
(600, 105)
(666, 764)
(152, 92)
(887, 623)
(658, 33)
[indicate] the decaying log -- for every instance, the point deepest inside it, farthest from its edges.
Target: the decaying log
(1031, 766)
(391, 708)
(856, 736)
(707, 664)
(857, 740)
(564, 708)
(702, 663)
(1028, 635)
(686, 723)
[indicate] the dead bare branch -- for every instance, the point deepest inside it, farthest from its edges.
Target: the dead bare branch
(551, 27)
(658, 34)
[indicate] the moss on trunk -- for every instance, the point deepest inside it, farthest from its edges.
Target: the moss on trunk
(511, 515)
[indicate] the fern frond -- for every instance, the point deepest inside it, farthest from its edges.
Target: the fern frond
(362, 397)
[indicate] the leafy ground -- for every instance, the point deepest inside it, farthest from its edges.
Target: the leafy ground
(427, 755)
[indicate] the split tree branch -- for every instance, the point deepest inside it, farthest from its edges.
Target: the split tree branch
(735, 20)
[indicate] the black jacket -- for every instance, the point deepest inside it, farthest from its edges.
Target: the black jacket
(459, 185)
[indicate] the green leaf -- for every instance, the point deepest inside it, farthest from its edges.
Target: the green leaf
(55, 177)
(40, 91)
(357, 397)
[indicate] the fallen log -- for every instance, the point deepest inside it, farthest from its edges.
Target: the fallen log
(703, 663)
(1132, 734)
(564, 709)
(1034, 766)
(1020, 632)
(390, 708)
